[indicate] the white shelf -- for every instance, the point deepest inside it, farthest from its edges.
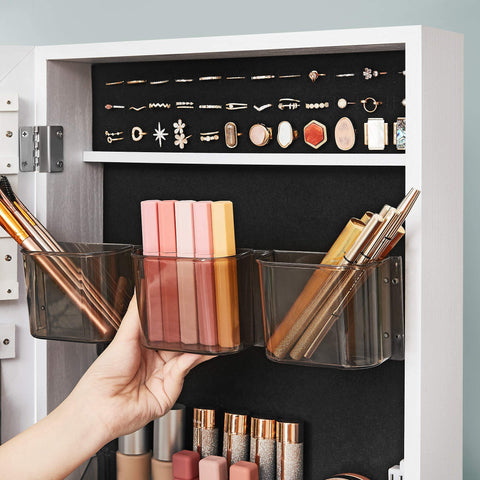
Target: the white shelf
(296, 159)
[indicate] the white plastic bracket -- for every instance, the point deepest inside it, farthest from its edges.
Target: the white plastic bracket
(7, 340)
(397, 472)
(8, 166)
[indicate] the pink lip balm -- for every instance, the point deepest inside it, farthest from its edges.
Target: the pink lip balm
(244, 471)
(213, 468)
(185, 465)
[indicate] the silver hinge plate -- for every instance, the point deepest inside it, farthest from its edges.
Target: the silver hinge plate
(41, 149)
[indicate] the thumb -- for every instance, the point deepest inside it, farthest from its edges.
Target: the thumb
(130, 325)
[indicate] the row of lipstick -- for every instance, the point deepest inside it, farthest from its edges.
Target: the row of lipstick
(271, 451)
(190, 302)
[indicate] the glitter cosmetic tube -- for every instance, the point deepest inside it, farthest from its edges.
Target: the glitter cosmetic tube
(289, 451)
(262, 447)
(168, 438)
(235, 438)
(205, 434)
(134, 455)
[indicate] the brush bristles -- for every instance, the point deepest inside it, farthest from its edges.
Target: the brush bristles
(7, 188)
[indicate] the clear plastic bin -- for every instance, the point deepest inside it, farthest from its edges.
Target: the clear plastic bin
(344, 317)
(200, 305)
(80, 294)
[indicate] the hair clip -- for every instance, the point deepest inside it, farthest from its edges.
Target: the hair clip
(368, 73)
(345, 134)
(160, 134)
(262, 107)
(375, 132)
(286, 134)
(313, 75)
(317, 105)
(158, 105)
(339, 75)
(159, 82)
(236, 106)
(109, 107)
(235, 78)
(262, 77)
(374, 102)
(137, 134)
(212, 77)
(135, 82)
(209, 136)
(400, 133)
(180, 139)
(343, 102)
(294, 75)
(183, 80)
(112, 134)
(137, 109)
(115, 83)
(210, 107)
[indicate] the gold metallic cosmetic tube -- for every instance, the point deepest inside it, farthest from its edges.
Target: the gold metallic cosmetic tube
(301, 312)
(262, 447)
(235, 438)
(205, 433)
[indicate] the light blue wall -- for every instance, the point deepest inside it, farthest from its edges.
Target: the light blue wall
(61, 21)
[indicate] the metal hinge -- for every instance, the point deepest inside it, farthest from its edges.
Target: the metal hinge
(41, 149)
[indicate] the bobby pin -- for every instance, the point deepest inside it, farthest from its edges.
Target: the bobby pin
(111, 140)
(112, 134)
(183, 80)
(289, 100)
(159, 105)
(345, 75)
(159, 82)
(109, 107)
(115, 83)
(137, 109)
(211, 77)
(295, 75)
(135, 82)
(238, 77)
(209, 136)
(210, 107)
(236, 106)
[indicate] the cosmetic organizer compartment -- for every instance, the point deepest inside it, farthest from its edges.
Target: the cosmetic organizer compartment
(80, 294)
(346, 317)
(200, 305)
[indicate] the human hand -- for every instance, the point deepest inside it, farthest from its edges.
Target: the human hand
(129, 385)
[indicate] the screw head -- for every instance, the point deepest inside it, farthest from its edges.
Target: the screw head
(24, 134)
(8, 102)
(9, 291)
(6, 341)
(60, 164)
(9, 134)
(59, 133)
(8, 258)
(9, 165)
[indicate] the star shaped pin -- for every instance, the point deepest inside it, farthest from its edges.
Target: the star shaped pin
(160, 134)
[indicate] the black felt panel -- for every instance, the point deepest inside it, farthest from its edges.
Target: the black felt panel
(390, 89)
(354, 420)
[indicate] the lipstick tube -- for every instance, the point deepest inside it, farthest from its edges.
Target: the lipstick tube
(289, 451)
(213, 468)
(262, 447)
(134, 455)
(168, 438)
(235, 438)
(205, 434)
(185, 465)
